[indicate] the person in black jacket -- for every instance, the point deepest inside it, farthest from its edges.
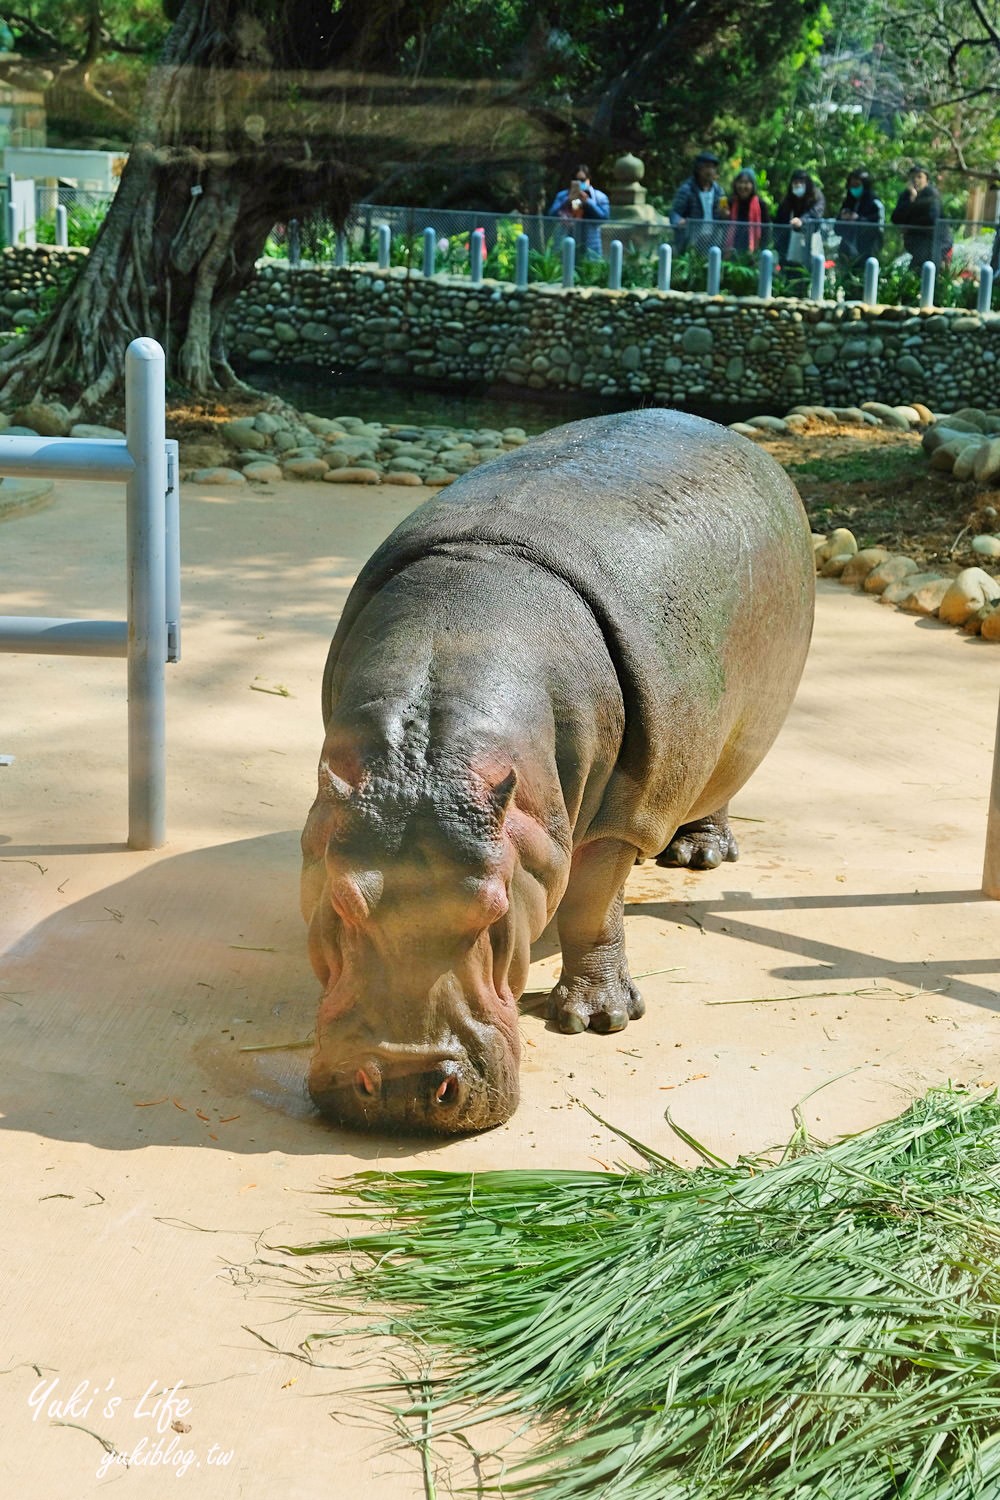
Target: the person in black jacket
(918, 210)
(859, 224)
(797, 223)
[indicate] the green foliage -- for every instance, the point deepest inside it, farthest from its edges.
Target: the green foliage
(83, 223)
(42, 27)
(823, 1324)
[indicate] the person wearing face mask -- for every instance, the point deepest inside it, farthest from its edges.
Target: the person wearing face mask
(582, 202)
(749, 216)
(797, 226)
(918, 210)
(697, 204)
(859, 221)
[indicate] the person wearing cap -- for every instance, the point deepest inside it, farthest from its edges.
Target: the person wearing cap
(697, 203)
(582, 202)
(926, 236)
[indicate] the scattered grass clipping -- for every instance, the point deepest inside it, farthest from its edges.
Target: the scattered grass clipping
(820, 1326)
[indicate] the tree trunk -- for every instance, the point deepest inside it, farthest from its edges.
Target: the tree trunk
(211, 172)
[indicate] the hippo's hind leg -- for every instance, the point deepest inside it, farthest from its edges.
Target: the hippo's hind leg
(594, 988)
(703, 844)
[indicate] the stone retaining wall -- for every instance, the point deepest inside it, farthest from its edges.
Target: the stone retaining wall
(675, 348)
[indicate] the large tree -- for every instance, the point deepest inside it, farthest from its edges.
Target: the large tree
(263, 110)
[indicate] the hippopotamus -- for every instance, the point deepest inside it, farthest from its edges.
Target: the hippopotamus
(569, 660)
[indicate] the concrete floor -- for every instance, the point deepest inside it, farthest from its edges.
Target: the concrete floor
(148, 1161)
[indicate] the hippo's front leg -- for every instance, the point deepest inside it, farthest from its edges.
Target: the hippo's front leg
(595, 989)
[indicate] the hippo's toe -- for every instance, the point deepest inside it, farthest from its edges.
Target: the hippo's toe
(701, 845)
(579, 1005)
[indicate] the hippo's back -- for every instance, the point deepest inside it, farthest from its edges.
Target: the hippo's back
(692, 551)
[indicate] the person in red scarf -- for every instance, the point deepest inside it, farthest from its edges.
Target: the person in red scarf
(748, 216)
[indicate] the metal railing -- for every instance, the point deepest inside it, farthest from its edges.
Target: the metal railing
(147, 464)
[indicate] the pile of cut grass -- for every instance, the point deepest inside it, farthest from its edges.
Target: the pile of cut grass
(821, 1327)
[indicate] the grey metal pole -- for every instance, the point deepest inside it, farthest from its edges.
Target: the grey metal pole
(172, 530)
(872, 269)
(985, 299)
(664, 267)
(340, 250)
(568, 261)
(817, 277)
(384, 242)
(521, 263)
(714, 278)
(615, 253)
(62, 226)
(294, 243)
(430, 250)
(765, 276)
(928, 276)
(147, 620)
(12, 224)
(477, 247)
(991, 864)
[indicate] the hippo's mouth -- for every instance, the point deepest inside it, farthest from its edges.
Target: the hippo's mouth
(410, 1088)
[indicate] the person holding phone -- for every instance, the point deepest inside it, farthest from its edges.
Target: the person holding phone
(581, 201)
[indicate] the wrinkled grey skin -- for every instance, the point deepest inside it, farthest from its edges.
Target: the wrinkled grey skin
(571, 658)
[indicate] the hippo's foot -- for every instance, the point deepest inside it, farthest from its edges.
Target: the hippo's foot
(607, 1004)
(701, 845)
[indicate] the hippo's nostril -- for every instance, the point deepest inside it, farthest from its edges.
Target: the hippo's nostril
(447, 1091)
(365, 1084)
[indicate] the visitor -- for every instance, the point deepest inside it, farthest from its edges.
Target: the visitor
(926, 235)
(859, 224)
(697, 205)
(797, 221)
(749, 216)
(585, 208)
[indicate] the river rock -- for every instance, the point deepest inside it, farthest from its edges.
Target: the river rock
(768, 424)
(304, 468)
(887, 415)
(861, 564)
(262, 472)
(218, 475)
(986, 546)
(946, 454)
(402, 476)
(967, 594)
(47, 418)
(986, 464)
(242, 433)
(917, 594)
(351, 476)
(745, 430)
(893, 570)
(966, 458)
(91, 430)
(839, 543)
(923, 412)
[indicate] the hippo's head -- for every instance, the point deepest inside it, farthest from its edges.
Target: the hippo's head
(422, 952)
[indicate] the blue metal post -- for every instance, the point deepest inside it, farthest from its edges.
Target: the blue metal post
(872, 269)
(13, 218)
(568, 261)
(765, 276)
(477, 247)
(817, 277)
(664, 267)
(62, 227)
(928, 276)
(714, 278)
(985, 299)
(147, 620)
(615, 266)
(384, 242)
(340, 250)
(294, 243)
(521, 265)
(430, 250)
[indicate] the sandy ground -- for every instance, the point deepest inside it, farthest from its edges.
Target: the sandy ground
(148, 1162)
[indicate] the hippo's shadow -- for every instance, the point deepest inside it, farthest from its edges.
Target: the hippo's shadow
(129, 1018)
